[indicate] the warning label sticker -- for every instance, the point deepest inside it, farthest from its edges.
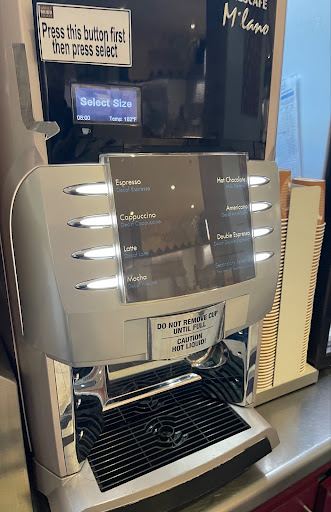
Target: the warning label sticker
(177, 336)
(84, 35)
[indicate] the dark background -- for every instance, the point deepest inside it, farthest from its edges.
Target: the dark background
(202, 89)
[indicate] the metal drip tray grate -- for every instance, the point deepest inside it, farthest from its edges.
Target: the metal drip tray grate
(150, 433)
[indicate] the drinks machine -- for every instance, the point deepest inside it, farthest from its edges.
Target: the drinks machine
(140, 232)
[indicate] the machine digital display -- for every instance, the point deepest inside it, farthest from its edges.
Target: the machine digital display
(184, 223)
(110, 105)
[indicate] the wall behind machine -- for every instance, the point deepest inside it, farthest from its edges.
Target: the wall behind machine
(307, 56)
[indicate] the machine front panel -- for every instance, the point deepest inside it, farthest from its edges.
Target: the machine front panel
(74, 266)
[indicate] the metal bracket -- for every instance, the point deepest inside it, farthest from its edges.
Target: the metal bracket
(48, 128)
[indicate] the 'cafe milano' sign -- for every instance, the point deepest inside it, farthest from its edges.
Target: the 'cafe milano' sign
(240, 15)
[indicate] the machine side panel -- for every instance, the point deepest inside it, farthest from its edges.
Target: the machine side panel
(21, 149)
(261, 303)
(42, 409)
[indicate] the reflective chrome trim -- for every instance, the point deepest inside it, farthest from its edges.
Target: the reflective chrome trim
(258, 181)
(210, 359)
(95, 253)
(260, 232)
(263, 256)
(260, 206)
(237, 378)
(63, 379)
(93, 384)
(88, 189)
(151, 390)
(104, 283)
(92, 221)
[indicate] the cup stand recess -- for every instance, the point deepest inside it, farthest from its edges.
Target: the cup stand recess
(140, 437)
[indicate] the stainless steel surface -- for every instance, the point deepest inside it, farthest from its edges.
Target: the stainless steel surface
(66, 415)
(151, 390)
(14, 482)
(303, 422)
(238, 374)
(210, 359)
(93, 384)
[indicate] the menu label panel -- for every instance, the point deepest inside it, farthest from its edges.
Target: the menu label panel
(184, 223)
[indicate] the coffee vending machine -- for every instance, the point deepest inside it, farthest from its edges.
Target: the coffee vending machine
(140, 233)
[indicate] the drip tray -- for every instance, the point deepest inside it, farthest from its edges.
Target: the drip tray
(147, 434)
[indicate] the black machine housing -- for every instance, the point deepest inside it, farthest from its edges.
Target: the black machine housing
(204, 86)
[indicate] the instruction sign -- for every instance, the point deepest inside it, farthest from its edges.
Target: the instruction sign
(84, 35)
(177, 336)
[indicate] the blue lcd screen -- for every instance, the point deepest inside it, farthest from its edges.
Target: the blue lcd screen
(111, 105)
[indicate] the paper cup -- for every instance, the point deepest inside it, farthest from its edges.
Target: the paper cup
(310, 182)
(285, 192)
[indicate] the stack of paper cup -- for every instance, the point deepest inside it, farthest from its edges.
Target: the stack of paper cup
(270, 322)
(320, 228)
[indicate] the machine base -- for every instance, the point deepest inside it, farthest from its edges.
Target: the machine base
(167, 487)
(196, 488)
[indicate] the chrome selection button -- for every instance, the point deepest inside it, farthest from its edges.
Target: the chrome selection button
(260, 232)
(263, 256)
(260, 206)
(88, 189)
(104, 283)
(258, 181)
(95, 253)
(92, 221)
